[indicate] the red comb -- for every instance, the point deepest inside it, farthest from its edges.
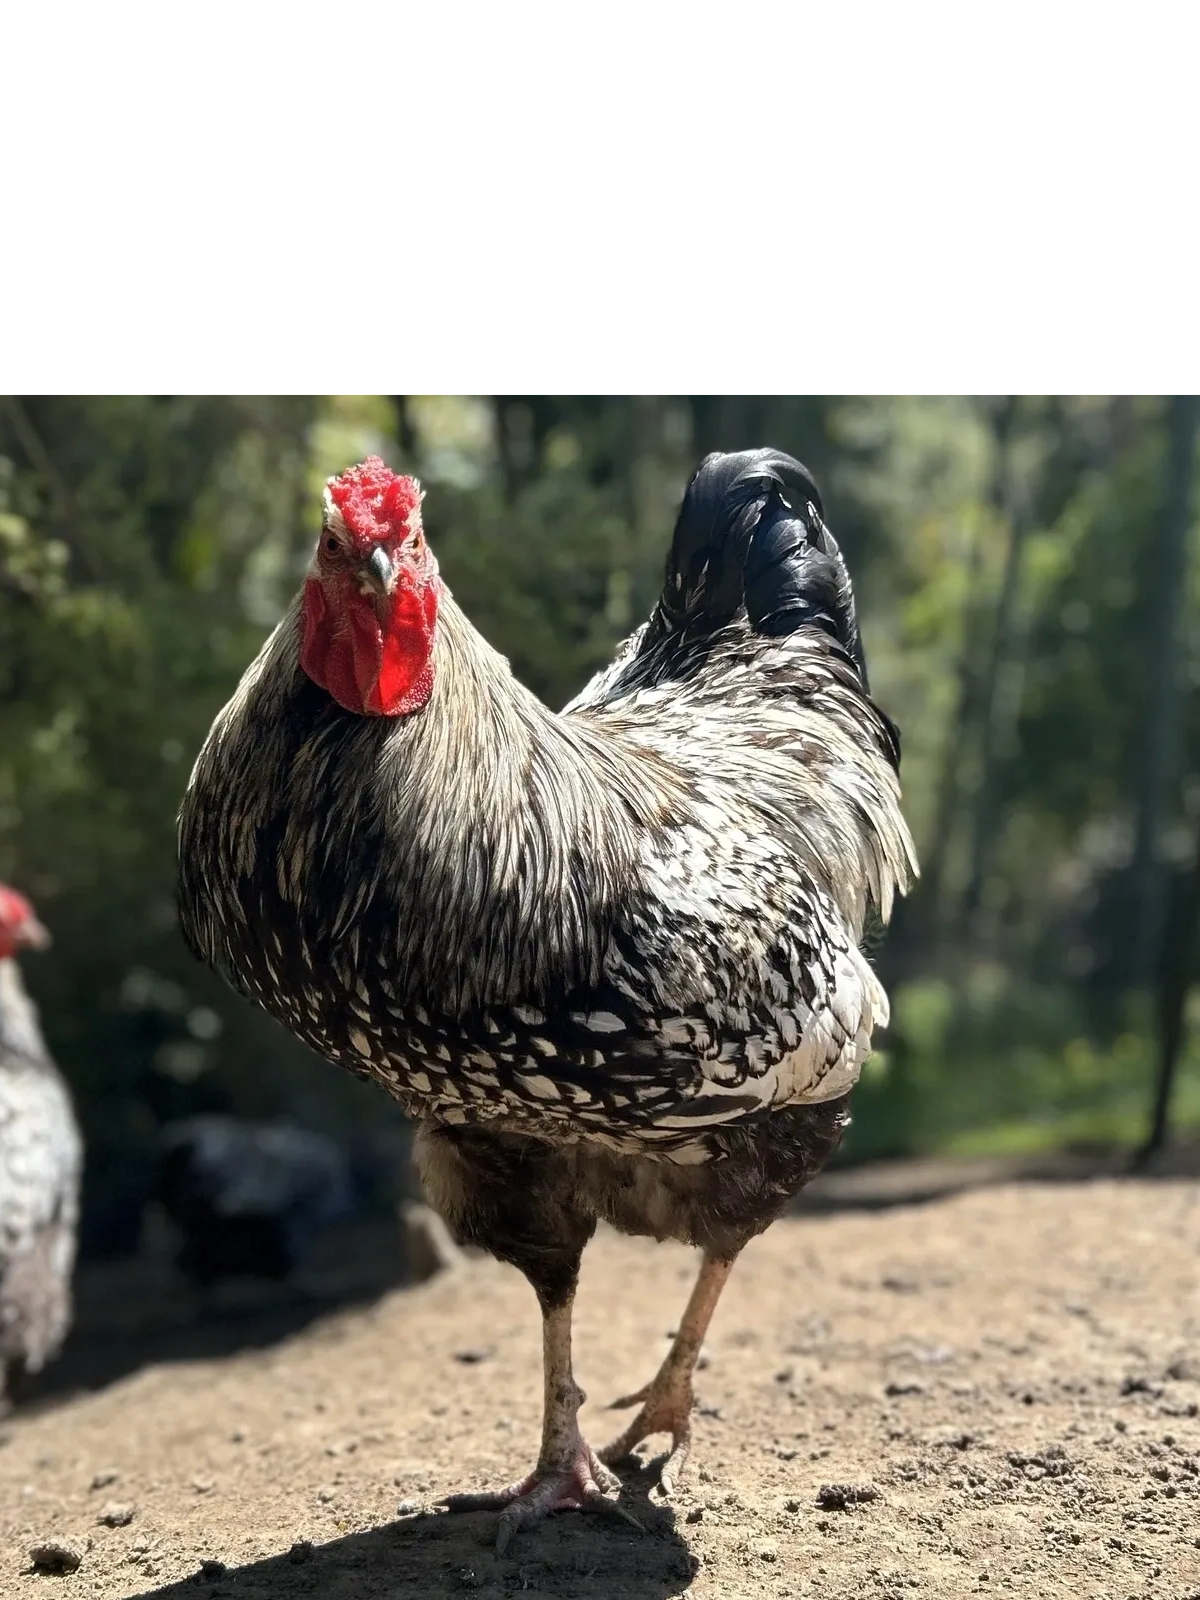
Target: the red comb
(375, 502)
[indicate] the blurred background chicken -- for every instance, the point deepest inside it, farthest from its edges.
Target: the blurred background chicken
(609, 958)
(41, 1157)
(249, 1199)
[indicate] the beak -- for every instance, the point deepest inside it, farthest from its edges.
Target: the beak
(379, 571)
(34, 934)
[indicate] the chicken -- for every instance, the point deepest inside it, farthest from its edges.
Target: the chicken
(249, 1198)
(41, 1157)
(608, 959)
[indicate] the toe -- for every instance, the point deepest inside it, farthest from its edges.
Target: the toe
(530, 1508)
(673, 1420)
(492, 1500)
(616, 1451)
(672, 1470)
(648, 1421)
(627, 1401)
(512, 1517)
(606, 1480)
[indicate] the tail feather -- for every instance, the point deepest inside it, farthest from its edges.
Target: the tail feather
(750, 533)
(749, 542)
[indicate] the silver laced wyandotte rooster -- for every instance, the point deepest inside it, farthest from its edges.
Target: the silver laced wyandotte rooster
(41, 1157)
(609, 958)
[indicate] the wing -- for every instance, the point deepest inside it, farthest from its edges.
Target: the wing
(732, 986)
(746, 964)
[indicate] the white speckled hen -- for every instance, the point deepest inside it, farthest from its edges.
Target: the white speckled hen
(608, 959)
(41, 1156)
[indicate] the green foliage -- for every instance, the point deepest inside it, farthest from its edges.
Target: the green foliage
(1002, 558)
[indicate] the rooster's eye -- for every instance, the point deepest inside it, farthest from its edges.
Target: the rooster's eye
(332, 546)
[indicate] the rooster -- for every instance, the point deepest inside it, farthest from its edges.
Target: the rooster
(40, 1160)
(607, 959)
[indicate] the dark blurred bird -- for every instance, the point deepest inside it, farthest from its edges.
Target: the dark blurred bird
(609, 958)
(249, 1198)
(41, 1157)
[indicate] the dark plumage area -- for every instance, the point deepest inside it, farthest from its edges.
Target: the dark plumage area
(249, 1199)
(609, 958)
(750, 534)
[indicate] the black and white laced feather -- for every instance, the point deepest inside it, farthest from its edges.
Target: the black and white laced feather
(635, 922)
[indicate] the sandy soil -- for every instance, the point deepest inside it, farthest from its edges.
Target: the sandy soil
(1013, 1373)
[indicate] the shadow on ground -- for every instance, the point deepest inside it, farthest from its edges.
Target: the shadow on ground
(137, 1313)
(437, 1555)
(880, 1185)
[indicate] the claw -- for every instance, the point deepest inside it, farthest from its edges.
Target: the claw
(671, 1470)
(612, 1508)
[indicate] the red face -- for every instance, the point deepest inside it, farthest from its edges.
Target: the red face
(18, 925)
(370, 602)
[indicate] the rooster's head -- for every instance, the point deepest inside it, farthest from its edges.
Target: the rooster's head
(371, 598)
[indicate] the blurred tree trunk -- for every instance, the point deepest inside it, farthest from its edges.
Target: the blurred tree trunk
(750, 422)
(999, 689)
(509, 443)
(1122, 426)
(1175, 969)
(522, 426)
(965, 718)
(644, 450)
(1159, 749)
(596, 419)
(406, 428)
(705, 412)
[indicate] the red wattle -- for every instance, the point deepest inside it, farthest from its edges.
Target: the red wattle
(404, 676)
(368, 669)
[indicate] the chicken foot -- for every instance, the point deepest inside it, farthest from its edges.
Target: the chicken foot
(666, 1401)
(569, 1476)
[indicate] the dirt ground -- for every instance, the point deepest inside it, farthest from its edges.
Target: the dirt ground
(1010, 1377)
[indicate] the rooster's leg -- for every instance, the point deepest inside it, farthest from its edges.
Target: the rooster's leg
(666, 1401)
(569, 1476)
